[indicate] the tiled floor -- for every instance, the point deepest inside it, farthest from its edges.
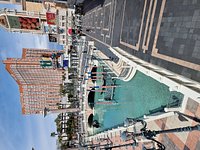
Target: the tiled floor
(172, 141)
(163, 32)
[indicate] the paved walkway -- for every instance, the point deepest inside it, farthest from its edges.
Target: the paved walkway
(162, 32)
(172, 141)
(180, 141)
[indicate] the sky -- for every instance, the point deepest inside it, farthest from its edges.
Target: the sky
(21, 132)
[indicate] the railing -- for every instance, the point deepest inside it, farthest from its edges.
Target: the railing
(174, 81)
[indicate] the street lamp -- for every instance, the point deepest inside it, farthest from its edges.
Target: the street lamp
(148, 134)
(46, 110)
(61, 110)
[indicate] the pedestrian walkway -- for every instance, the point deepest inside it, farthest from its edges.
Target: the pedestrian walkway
(180, 141)
(162, 32)
(172, 141)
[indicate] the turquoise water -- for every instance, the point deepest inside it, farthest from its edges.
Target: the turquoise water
(134, 99)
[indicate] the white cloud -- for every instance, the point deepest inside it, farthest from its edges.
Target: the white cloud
(43, 127)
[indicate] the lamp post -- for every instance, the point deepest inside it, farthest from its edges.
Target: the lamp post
(45, 111)
(149, 134)
(62, 110)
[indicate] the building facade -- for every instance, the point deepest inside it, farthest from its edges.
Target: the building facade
(39, 85)
(62, 24)
(33, 5)
(22, 21)
(11, 2)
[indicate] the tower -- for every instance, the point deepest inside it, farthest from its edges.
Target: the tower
(38, 81)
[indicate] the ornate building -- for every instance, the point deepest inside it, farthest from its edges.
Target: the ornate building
(22, 21)
(39, 77)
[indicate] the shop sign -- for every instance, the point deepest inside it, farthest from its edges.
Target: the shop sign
(46, 62)
(52, 38)
(24, 23)
(51, 18)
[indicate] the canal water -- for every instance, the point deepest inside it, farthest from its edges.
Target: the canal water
(142, 95)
